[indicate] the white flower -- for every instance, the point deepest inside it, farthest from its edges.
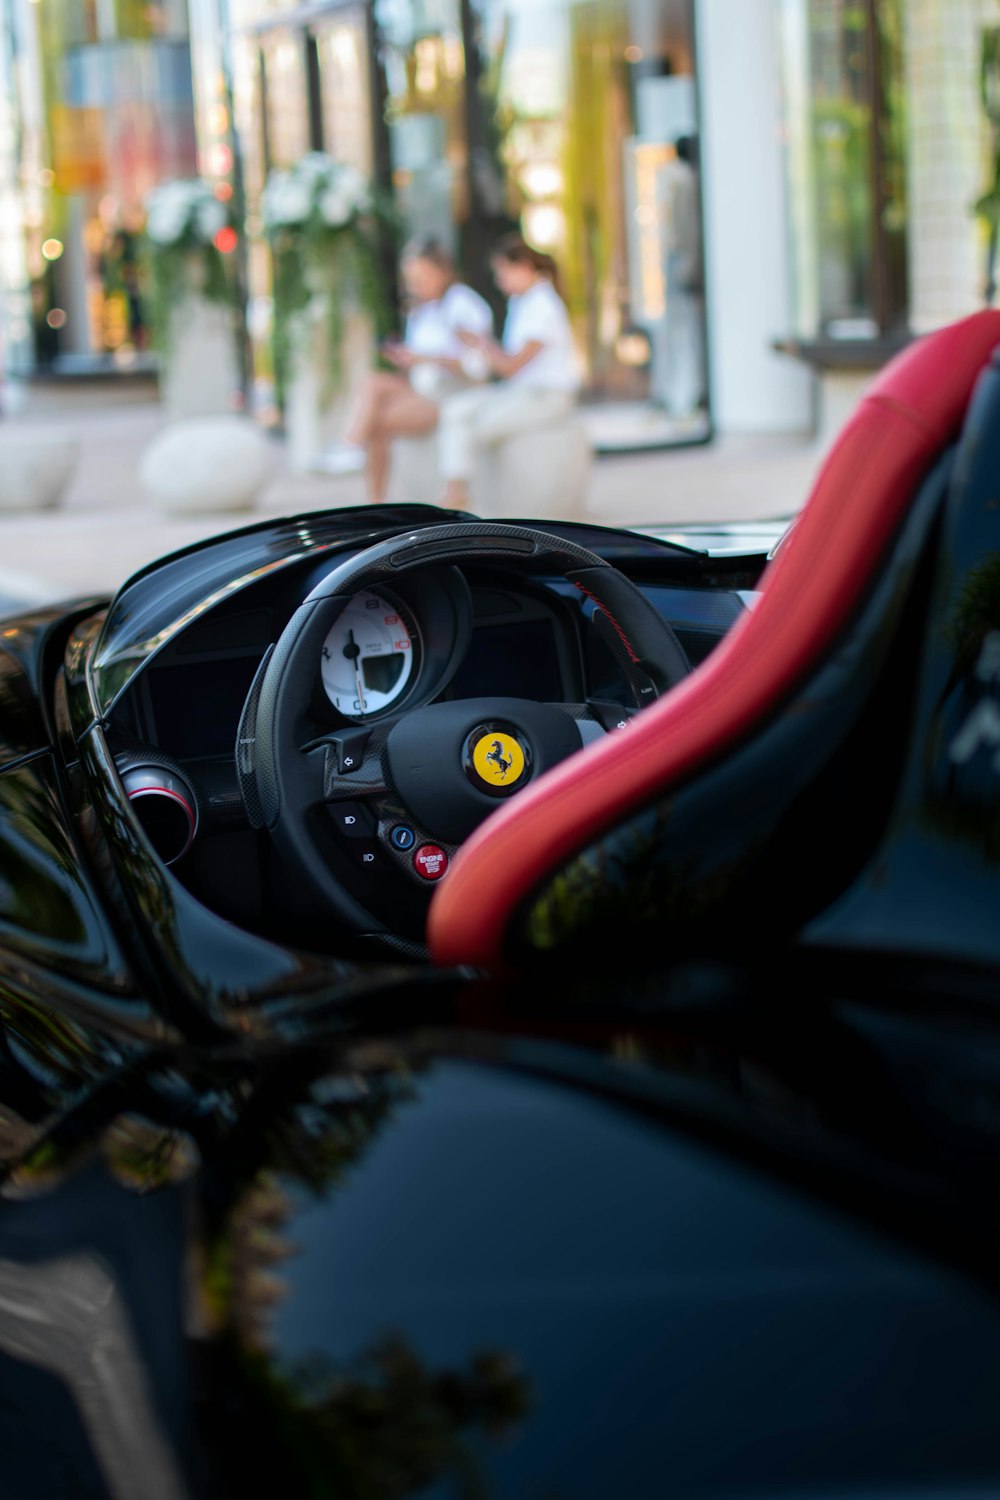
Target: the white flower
(285, 200)
(352, 183)
(315, 166)
(315, 183)
(209, 218)
(167, 220)
(336, 207)
(178, 191)
(175, 209)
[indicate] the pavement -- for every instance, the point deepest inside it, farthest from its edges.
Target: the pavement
(105, 529)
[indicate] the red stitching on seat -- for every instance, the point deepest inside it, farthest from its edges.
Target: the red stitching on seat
(618, 630)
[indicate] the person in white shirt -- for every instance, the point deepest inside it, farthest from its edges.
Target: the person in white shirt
(430, 361)
(536, 370)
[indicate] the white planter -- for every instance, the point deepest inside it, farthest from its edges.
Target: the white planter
(35, 468)
(315, 418)
(206, 465)
(200, 373)
(542, 472)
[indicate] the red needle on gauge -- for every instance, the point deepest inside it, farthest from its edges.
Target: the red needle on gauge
(353, 651)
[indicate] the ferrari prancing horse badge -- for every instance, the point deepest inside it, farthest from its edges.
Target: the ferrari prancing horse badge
(499, 759)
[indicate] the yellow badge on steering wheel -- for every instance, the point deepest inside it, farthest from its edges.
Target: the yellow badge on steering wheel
(498, 759)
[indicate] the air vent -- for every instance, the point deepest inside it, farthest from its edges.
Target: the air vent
(165, 805)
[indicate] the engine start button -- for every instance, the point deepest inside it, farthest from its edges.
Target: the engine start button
(430, 862)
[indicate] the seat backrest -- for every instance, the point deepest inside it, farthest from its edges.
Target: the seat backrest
(818, 579)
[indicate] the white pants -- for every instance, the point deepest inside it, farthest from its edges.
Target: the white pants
(435, 383)
(483, 417)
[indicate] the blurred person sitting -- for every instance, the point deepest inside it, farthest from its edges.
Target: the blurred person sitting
(535, 370)
(430, 361)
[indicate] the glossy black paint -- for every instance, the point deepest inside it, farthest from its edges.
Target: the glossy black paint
(30, 648)
(279, 1222)
(199, 970)
(486, 1266)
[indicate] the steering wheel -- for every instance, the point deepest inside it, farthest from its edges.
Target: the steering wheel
(426, 779)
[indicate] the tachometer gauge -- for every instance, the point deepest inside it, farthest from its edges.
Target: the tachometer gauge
(368, 657)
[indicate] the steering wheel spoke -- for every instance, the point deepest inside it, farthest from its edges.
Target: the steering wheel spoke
(597, 717)
(351, 763)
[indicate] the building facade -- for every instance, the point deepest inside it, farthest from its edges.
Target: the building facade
(840, 149)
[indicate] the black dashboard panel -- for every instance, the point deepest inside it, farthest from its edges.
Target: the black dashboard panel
(514, 659)
(529, 642)
(175, 666)
(194, 708)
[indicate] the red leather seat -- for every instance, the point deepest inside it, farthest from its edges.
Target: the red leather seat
(821, 573)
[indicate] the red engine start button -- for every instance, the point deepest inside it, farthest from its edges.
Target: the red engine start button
(430, 862)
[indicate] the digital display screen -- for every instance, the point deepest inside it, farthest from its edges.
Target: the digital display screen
(511, 661)
(381, 673)
(197, 707)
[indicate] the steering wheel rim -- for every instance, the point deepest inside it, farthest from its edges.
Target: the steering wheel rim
(280, 785)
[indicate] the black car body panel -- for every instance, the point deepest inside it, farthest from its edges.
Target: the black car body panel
(458, 1268)
(281, 1217)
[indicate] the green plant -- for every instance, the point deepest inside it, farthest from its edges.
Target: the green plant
(321, 219)
(189, 241)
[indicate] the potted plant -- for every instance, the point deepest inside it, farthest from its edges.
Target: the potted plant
(321, 221)
(190, 241)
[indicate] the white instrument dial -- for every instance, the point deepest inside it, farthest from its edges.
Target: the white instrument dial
(367, 660)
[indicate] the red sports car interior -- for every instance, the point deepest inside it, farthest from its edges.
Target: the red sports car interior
(809, 593)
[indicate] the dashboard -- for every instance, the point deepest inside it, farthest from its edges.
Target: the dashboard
(386, 652)
(440, 634)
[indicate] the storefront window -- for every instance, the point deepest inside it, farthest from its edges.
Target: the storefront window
(591, 118)
(572, 120)
(423, 56)
(842, 68)
(115, 117)
(345, 104)
(286, 112)
(246, 13)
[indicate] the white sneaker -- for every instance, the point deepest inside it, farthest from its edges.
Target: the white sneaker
(341, 458)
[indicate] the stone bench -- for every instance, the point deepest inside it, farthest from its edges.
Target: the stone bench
(35, 468)
(206, 464)
(540, 473)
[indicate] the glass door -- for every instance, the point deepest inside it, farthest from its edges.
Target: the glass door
(423, 57)
(589, 111)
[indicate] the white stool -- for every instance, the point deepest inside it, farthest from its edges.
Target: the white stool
(35, 468)
(206, 464)
(415, 477)
(540, 473)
